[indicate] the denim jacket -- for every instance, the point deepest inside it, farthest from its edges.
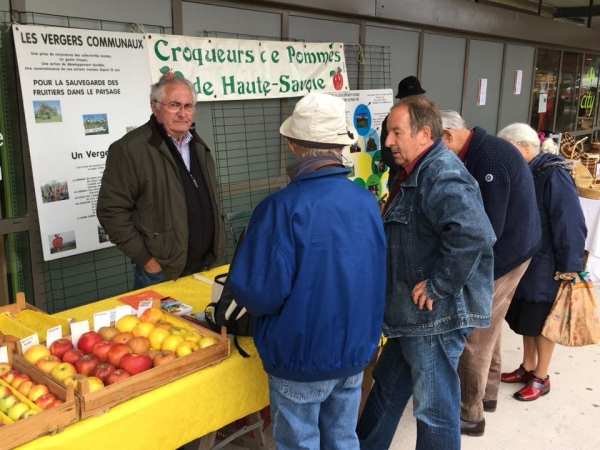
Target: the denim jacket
(437, 230)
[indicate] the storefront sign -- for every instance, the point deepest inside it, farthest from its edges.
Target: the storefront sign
(82, 90)
(236, 69)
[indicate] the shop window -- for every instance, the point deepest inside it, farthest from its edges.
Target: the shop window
(15, 267)
(544, 89)
(569, 92)
(570, 11)
(588, 100)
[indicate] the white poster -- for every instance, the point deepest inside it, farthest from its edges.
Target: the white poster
(237, 69)
(518, 82)
(542, 105)
(482, 92)
(366, 110)
(82, 90)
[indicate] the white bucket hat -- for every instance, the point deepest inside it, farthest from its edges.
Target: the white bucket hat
(319, 121)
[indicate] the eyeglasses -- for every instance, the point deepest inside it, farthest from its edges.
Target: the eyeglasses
(176, 106)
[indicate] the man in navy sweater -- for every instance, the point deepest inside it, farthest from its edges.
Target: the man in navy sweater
(510, 203)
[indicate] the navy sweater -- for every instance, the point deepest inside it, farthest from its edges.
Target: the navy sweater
(509, 198)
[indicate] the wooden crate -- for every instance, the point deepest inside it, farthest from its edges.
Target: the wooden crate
(48, 421)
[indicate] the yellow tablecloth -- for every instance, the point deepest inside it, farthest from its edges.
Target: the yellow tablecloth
(176, 413)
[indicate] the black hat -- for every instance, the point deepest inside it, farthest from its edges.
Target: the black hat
(409, 86)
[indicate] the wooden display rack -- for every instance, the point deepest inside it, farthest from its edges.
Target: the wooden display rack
(49, 421)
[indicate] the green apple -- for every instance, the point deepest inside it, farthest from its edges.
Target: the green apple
(17, 410)
(7, 402)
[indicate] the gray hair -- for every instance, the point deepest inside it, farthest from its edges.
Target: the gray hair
(517, 133)
(302, 150)
(549, 146)
(157, 90)
(452, 120)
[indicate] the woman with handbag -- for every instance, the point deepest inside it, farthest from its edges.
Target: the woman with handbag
(560, 255)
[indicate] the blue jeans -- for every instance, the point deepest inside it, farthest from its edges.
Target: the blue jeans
(142, 279)
(315, 415)
(424, 367)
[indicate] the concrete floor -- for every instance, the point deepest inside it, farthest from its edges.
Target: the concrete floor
(568, 418)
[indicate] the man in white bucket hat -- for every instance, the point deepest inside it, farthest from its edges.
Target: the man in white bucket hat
(312, 270)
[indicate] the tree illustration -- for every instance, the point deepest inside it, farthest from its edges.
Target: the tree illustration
(45, 111)
(371, 145)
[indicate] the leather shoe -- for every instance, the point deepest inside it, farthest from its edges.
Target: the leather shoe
(517, 376)
(534, 389)
(474, 428)
(489, 405)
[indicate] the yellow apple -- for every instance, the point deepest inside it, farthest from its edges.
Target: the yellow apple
(157, 336)
(63, 371)
(16, 411)
(127, 323)
(143, 329)
(166, 325)
(95, 383)
(178, 330)
(74, 380)
(185, 348)
(207, 341)
(171, 342)
(152, 315)
(36, 352)
(37, 391)
(193, 336)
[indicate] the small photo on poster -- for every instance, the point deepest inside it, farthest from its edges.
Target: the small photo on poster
(95, 124)
(47, 111)
(102, 235)
(131, 128)
(355, 148)
(62, 242)
(378, 165)
(55, 191)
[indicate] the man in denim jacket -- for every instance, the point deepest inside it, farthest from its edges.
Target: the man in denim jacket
(439, 283)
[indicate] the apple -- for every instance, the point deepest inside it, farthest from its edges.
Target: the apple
(117, 375)
(36, 352)
(143, 329)
(165, 325)
(45, 400)
(178, 330)
(207, 341)
(5, 391)
(157, 336)
(127, 323)
(185, 348)
(19, 380)
(163, 357)
(193, 336)
(86, 365)
(95, 384)
(60, 346)
(4, 367)
(47, 363)
(103, 370)
(29, 412)
(9, 376)
(172, 342)
(62, 371)
(152, 315)
(139, 344)
(74, 380)
(88, 340)
(108, 333)
(116, 352)
(123, 338)
(54, 403)
(16, 411)
(25, 387)
(7, 402)
(37, 391)
(152, 353)
(71, 356)
(101, 349)
(135, 363)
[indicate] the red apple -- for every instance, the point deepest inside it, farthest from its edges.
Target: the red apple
(25, 387)
(117, 375)
(54, 403)
(71, 356)
(47, 363)
(19, 380)
(88, 340)
(164, 356)
(10, 376)
(5, 391)
(116, 352)
(60, 346)
(86, 365)
(101, 350)
(37, 391)
(45, 400)
(136, 363)
(104, 370)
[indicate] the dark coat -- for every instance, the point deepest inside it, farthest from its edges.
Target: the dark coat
(563, 230)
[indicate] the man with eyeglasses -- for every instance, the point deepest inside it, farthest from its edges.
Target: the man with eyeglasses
(158, 200)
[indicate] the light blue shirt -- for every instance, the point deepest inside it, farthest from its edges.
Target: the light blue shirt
(184, 148)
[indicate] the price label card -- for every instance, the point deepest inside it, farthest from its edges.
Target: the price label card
(143, 306)
(121, 311)
(101, 319)
(29, 341)
(53, 334)
(77, 329)
(4, 354)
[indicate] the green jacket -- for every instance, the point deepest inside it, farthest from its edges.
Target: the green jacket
(141, 203)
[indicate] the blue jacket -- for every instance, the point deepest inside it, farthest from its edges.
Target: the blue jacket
(437, 230)
(509, 199)
(312, 268)
(563, 230)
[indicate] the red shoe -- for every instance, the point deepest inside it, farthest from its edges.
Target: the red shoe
(534, 389)
(518, 376)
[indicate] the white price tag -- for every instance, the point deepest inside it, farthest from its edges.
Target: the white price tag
(122, 311)
(77, 329)
(101, 319)
(29, 341)
(53, 334)
(4, 354)
(143, 306)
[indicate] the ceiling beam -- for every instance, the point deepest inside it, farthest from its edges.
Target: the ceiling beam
(578, 11)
